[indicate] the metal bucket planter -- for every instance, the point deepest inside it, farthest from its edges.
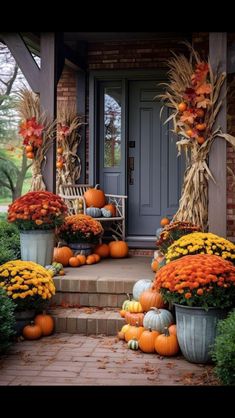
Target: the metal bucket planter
(196, 331)
(37, 246)
(81, 248)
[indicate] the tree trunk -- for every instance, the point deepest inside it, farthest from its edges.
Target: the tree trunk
(17, 191)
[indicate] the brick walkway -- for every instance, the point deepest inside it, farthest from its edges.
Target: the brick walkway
(64, 359)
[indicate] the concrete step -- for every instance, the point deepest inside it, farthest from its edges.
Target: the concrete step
(87, 321)
(101, 300)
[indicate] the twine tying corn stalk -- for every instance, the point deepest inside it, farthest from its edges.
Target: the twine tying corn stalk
(38, 132)
(193, 94)
(68, 140)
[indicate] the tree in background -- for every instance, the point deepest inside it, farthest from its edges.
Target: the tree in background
(13, 161)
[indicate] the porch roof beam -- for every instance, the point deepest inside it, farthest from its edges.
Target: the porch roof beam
(76, 58)
(24, 59)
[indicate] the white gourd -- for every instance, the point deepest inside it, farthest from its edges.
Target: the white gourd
(140, 287)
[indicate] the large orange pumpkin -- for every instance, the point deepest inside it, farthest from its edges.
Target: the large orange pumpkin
(45, 322)
(166, 344)
(111, 208)
(149, 299)
(102, 250)
(62, 255)
(118, 249)
(95, 197)
(147, 341)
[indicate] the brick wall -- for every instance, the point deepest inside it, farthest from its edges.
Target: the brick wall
(67, 86)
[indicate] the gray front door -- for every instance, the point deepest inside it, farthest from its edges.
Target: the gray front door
(154, 171)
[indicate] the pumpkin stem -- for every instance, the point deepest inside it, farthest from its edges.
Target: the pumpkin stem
(166, 332)
(97, 186)
(32, 323)
(153, 308)
(129, 296)
(150, 329)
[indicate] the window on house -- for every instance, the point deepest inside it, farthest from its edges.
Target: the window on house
(112, 126)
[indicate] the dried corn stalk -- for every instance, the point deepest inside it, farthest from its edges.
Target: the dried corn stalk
(28, 106)
(193, 94)
(68, 140)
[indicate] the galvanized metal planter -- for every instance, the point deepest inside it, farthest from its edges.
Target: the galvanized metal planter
(37, 246)
(196, 331)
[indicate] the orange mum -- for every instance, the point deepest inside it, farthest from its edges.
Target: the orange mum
(197, 280)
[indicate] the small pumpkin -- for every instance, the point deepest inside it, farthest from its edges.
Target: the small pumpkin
(62, 255)
(134, 318)
(157, 319)
(150, 299)
(126, 303)
(90, 259)
(147, 341)
(166, 344)
(173, 330)
(106, 213)
(134, 306)
(97, 257)
(81, 258)
(95, 197)
(94, 212)
(102, 250)
(111, 208)
(122, 313)
(154, 265)
(118, 249)
(45, 322)
(140, 286)
(125, 328)
(133, 344)
(133, 332)
(164, 221)
(32, 331)
(121, 335)
(74, 262)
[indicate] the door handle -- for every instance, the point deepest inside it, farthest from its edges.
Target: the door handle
(130, 169)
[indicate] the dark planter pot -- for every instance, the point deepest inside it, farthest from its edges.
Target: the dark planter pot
(23, 318)
(82, 248)
(196, 331)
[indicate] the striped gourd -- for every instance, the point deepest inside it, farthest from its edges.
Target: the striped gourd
(140, 287)
(157, 319)
(133, 344)
(134, 306)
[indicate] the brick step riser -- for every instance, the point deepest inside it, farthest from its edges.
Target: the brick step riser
(77, 285)
(101, 300)
(89, 326)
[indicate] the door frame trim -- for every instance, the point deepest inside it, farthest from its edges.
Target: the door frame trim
(125, 76)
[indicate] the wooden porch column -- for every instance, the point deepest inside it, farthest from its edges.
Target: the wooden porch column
(48, 82)
(217, 207)
(81, 107)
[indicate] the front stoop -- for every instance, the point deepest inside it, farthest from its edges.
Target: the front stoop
(78, 321)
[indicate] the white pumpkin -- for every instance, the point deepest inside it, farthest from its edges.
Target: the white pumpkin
(106, 213)
(157, 319)
(140, 287)
(94, 212)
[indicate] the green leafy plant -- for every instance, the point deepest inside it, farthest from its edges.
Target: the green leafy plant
(223, 352)
(9, 242)
(7, 320)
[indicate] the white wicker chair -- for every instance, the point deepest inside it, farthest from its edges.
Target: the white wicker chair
(71, 194)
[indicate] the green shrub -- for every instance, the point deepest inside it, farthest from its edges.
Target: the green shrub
(9, 242)
(7, 320)
(224, 350)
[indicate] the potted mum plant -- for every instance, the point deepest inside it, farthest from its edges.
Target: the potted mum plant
(202, 288)
(29, 285)
(37, 214)
(81, 233)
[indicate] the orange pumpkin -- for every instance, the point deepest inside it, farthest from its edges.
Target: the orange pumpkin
(164, 221)
(102, 250)
(118, 249)
(97, 257)
(30, 155)
(133, 332)
(32, 332)
(172, 330)
(111, 208)
(81, 258)
(201, 126)
(200, 140)
(45, 322)
(166, 344)
(122, 313)
(74, 262)
(149, 299)
(154, 265)
(147, 341)
(28, 148)
(134, 318)
(121, 335)
(90, 259)
(95, 197)
(182, 106)
(62, 255)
